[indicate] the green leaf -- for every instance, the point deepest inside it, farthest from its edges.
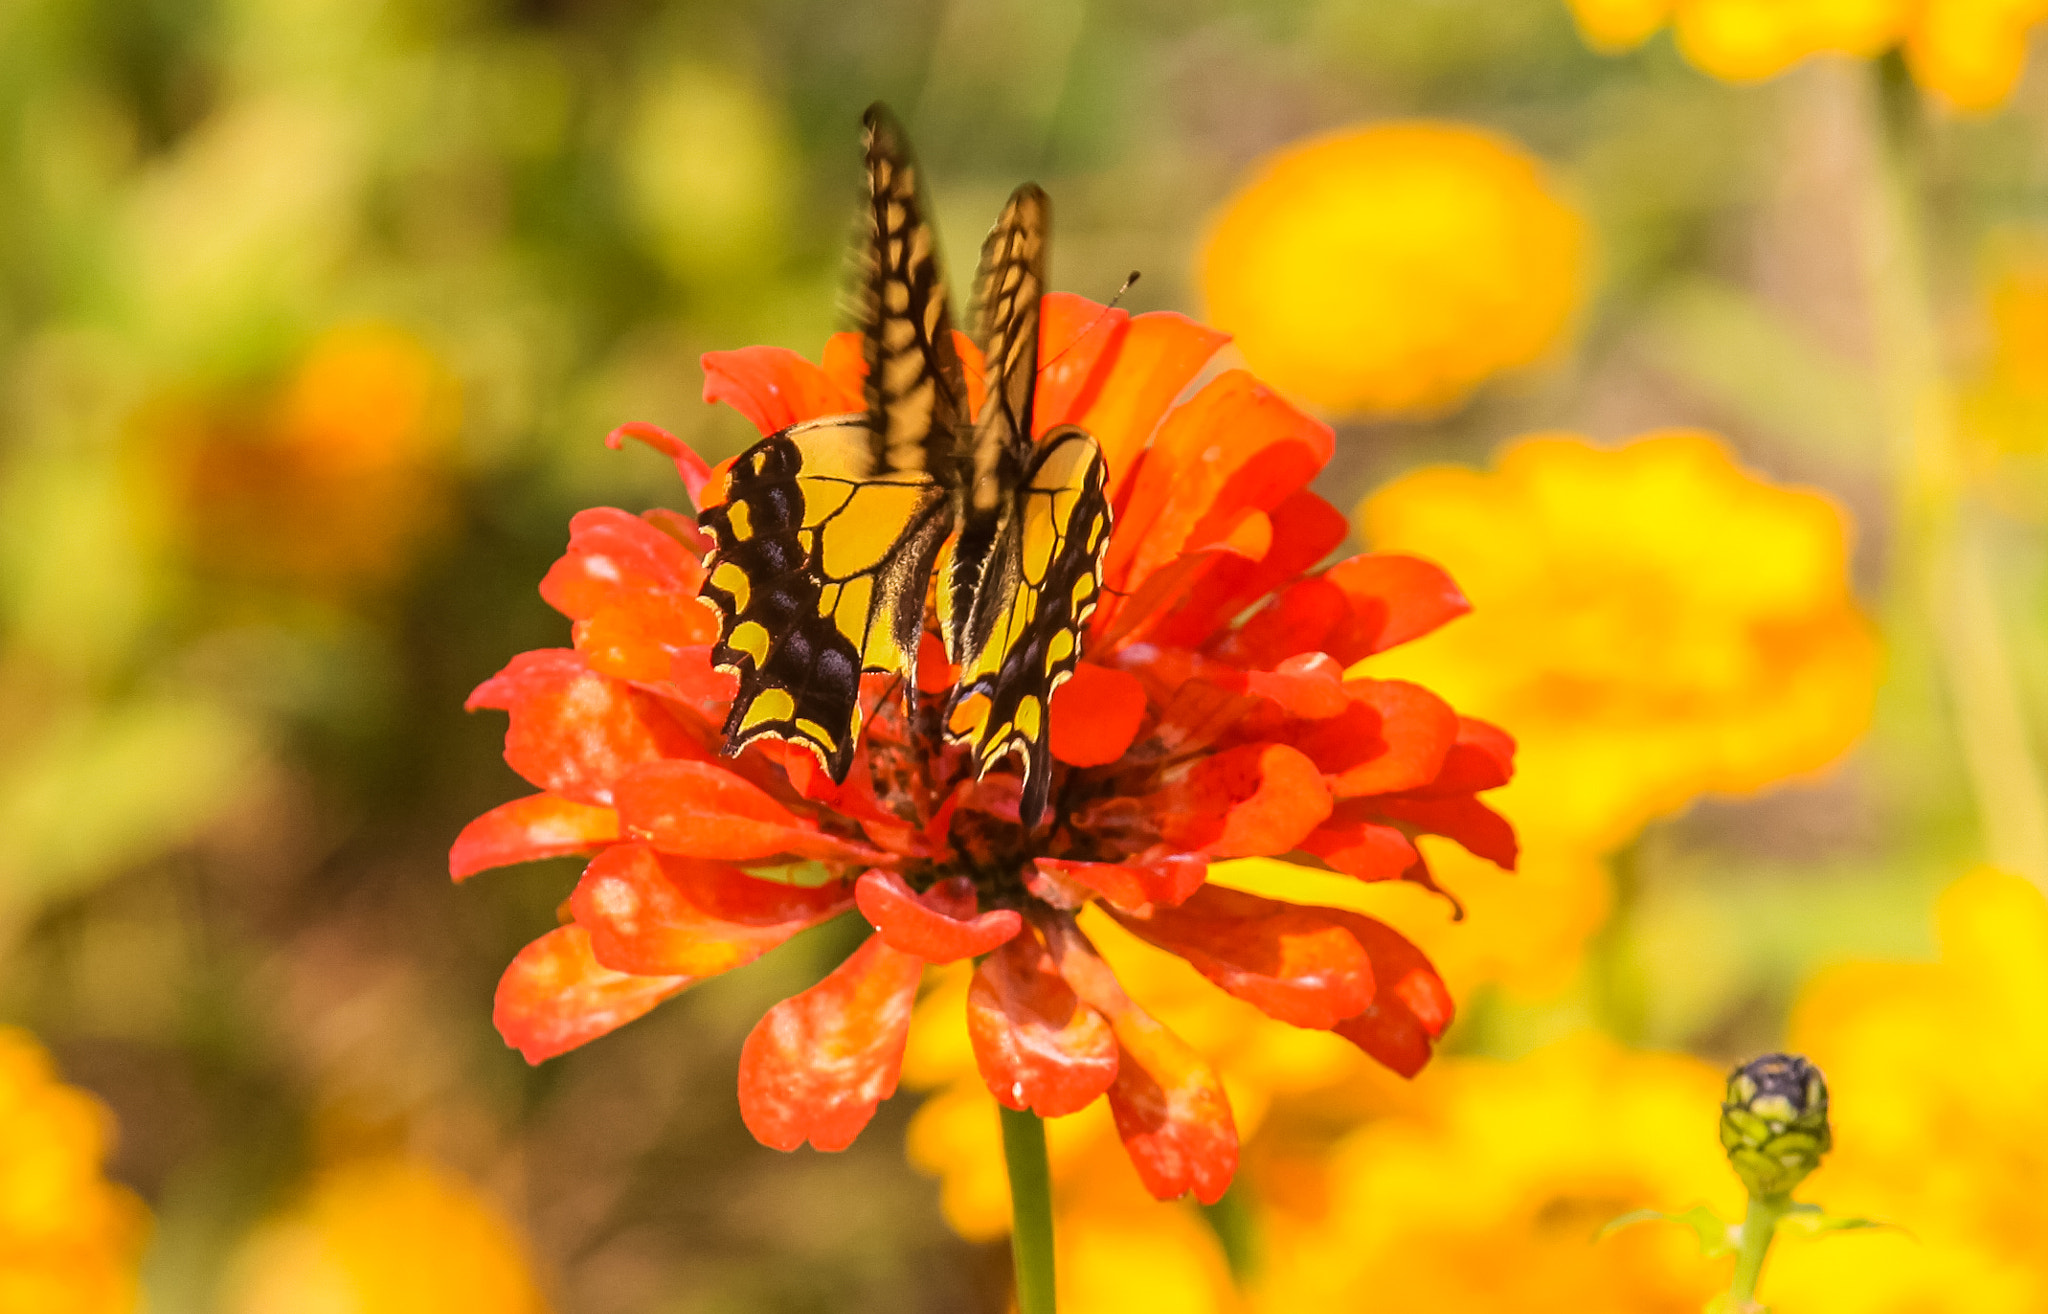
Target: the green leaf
(1806, 1221)
(1716, 1237)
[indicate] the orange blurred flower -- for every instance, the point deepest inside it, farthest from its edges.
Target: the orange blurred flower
(327, 481)
(1210, 721)
(1392, 269)
(1656, 622)
(1968, 52)
(70, 1240)
(386, 1236)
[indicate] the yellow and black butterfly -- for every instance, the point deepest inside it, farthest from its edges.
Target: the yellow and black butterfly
(826, 540)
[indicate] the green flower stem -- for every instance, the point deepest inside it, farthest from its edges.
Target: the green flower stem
(1759, 1225)
(1948, 558)
(1030, 1210)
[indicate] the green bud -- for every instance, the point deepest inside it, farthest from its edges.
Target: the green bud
(1774, 1123)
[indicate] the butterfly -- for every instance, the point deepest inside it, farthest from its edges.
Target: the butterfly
(830, 531)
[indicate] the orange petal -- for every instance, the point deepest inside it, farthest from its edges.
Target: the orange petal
(1481, 758)
(1299, 964)
(654, 914)
(1137, 885)
(1077, 345)
(845, 363)
(1410, 1010)
(575, 732)
(702, 810)
(817, 1065)
(555, 995)
(614, 559)
(1158, 355)
(1095, 715)
(690, 467)
(641, 642)
(1250, 801)
(773, 387)
(1393, 599)
(1037, 1045)
(937, 929)
(1234, 446)
(1394, 737)
(1306, 528)
(1362, 848)
(529, 829)
(1167, 1102)
(1479, 828)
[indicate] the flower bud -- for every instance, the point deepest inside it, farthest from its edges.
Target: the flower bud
(1774, 1123)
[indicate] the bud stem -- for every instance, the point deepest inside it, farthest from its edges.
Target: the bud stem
(1030, 1209)
(1759, 1225)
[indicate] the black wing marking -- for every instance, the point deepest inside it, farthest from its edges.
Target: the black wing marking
(1022, 638)
(825, 539)
(818, 573)
(916, 391)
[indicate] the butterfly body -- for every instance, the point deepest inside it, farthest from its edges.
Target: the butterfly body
(829, 531)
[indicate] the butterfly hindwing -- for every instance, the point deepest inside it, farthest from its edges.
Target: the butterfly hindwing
(1022, 638)
(818, 574)
(824, 542)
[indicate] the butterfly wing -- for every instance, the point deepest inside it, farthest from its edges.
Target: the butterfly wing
(1022, 638)
(824, 542)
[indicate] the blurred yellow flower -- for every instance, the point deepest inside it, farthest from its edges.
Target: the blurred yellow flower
(1653, 622)
(1484, 1195)
(386, 1236)
(1393, 268)
(1938, 1080)
(329, 480)
(70, 1240)
(1968, 52)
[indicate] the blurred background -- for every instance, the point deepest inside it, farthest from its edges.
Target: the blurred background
(314, 315)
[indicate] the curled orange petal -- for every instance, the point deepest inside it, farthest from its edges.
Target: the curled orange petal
(1036, 1044)
(1411, 1008)
(939, 928)
(575, 732)
(690, 467)
(1249, 801)
(817, 1064)
(1394, 737)
(529, 829)
(1357, 846)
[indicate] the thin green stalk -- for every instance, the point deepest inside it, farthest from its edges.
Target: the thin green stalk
(1030, 1210)
(1946, 558)
(1759, 1225)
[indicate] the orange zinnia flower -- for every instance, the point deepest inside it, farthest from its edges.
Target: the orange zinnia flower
(1212, 719)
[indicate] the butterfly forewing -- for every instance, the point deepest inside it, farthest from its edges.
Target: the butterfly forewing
(824, 542)
(1007, 287)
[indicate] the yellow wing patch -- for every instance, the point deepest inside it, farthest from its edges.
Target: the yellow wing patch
(1021, 639)
(818, 574)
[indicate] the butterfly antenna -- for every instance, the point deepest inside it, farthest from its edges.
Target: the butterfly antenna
(1130, 279)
